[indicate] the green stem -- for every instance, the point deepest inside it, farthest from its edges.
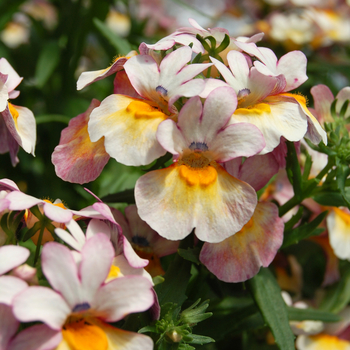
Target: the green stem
(38, 245)
(307, 192)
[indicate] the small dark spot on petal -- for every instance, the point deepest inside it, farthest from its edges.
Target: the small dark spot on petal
(198, 146)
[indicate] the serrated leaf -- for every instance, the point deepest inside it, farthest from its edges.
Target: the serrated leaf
(47, 62)
(267, 295)
(304, 231)
(121, 45)
(296, 314)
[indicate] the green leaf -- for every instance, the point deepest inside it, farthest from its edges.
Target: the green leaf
(337, 296)
(190, 254)
(176, 279)
(343, 171)
(330, 198)
(293, 169)
(296, 314)
(47, 63)
(121, 45)
(304, 231)
(294, 219)
(126, 196)
(200, 339)
(267, 295)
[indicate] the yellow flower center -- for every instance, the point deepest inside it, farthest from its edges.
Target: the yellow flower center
(196, 168)
(82, 335)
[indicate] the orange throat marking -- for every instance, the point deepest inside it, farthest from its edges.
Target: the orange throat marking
(196, 168)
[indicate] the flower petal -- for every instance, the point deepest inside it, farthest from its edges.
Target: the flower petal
(41, 304)
(123, 296)
(8, 326)
(37, 337)
(12, 256)
(240, 256)
(129, 127)
(60, 269)
(274, 119)
(9, 287)
(76, 158)
(21, 123)
(97, 257)
(177, 199)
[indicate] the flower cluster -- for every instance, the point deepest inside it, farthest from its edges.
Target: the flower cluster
(221, 107)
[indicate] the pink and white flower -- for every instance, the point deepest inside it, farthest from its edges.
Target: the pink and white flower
(17, 124)
(196, 191)
(129, 125)
(82, 303)
(263, 101)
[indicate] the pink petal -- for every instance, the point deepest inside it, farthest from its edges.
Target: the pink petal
(12, 256)
(13, 79)
(240, 257)
(9, 287)
(8, 326)
(123, 296)
(97, 257)
(76, 158)
(60, 269)
(7, 184)
(41, 304)
(38, 337)
(56, 213)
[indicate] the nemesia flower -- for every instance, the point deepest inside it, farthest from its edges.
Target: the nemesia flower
(17, 124)
(118, 23)
(16, 32)
(76, 158)
(262, 98)
(146, 242)
(82, 304)
(196, 192)
(240, 256)
(120, 118)
(32, 338)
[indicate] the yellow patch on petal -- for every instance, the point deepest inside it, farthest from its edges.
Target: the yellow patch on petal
(343, 216)
(142, 109)
(259, 108)
(328, 342)
(114, 273)
(14, 113)
(196, 168)
(81, 335)
(198, 176)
